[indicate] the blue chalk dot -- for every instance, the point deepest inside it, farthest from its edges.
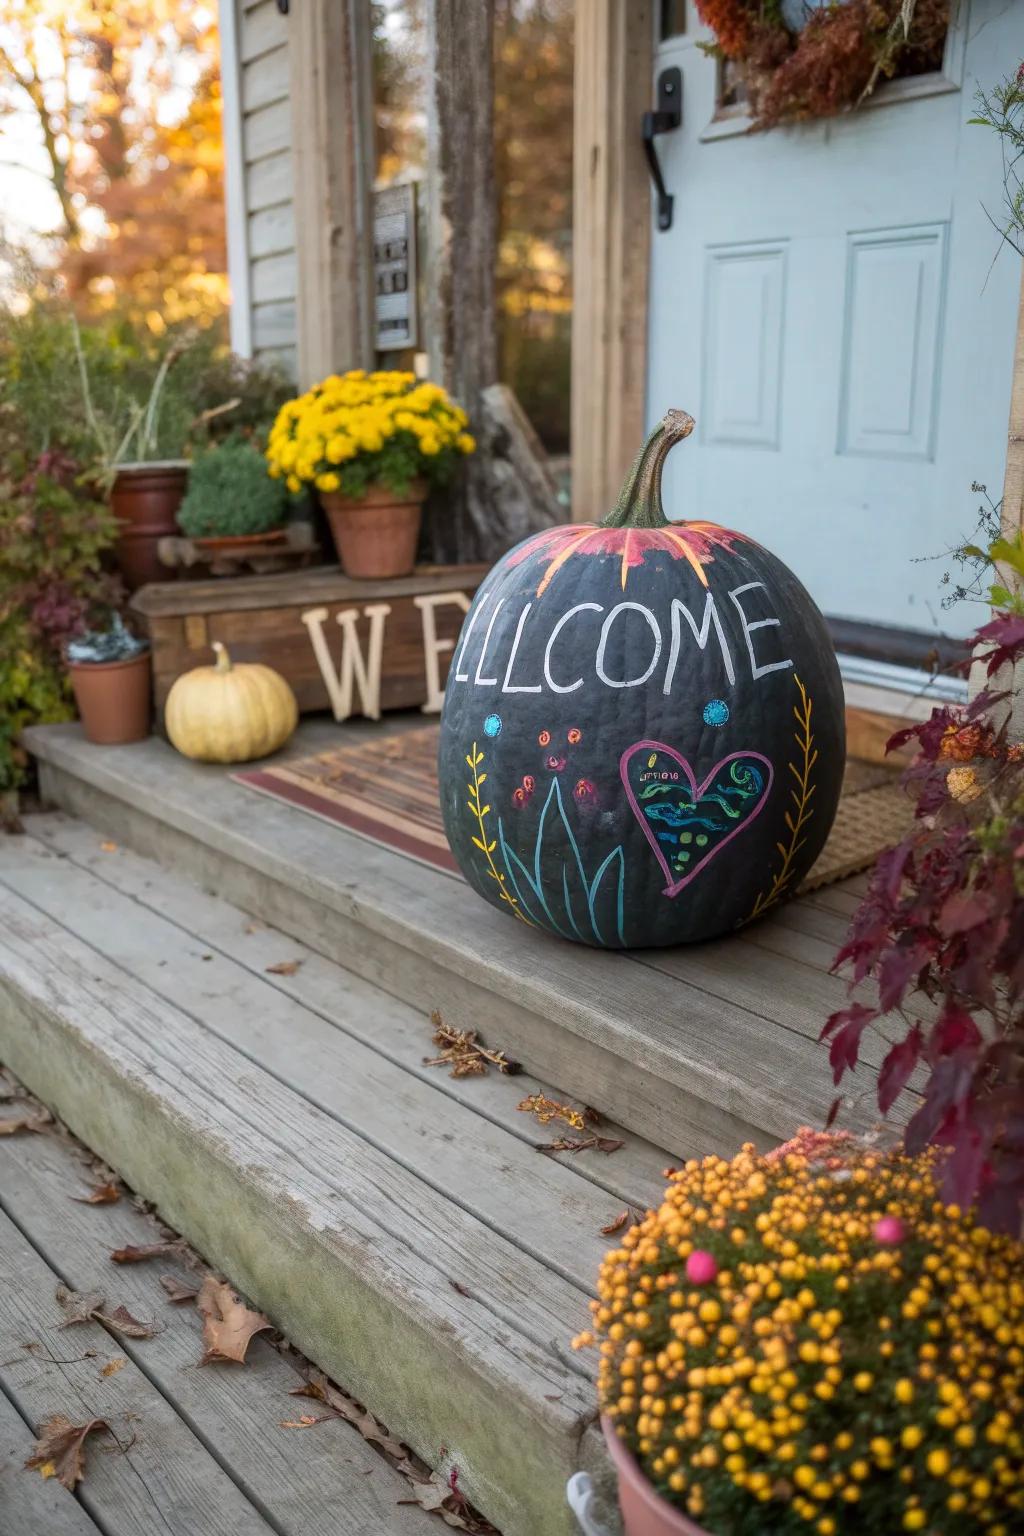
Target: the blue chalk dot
(492, 725)
(716, 712)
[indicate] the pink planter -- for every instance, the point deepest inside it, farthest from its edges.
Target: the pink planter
(643, 1512)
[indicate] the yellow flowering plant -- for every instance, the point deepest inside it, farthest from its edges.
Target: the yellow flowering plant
(813, 1341)
(356, 430)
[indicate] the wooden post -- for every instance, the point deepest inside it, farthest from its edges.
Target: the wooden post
(611, 247)
(507, 490)
(1012, 521)
(331, 74)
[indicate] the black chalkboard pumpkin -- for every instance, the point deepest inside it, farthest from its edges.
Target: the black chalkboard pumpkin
(643, 732)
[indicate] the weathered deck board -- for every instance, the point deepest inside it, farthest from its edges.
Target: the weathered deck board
(323, 1482)
(161, 1465)
(393, 1029)
(272, 1189)
(29, 1505)
(536, 1203)
(677, 1064)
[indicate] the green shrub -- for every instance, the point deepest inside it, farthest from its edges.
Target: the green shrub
(231, 493)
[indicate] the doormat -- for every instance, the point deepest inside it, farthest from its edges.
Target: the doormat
(386, 791)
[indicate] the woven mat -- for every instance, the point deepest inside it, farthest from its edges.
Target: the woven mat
(386, 791)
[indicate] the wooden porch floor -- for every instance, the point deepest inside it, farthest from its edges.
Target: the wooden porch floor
(240, 1027)
(222, 1451)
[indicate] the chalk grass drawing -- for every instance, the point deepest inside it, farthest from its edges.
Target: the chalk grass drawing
(563, 887)
(487, 845)
(801, 792)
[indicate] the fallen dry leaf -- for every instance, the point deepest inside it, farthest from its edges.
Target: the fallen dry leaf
(306, 1421)
(345, 1407)
(113, 1366)
(60, 1449)
(90, 1308)
(137, 1254)
(567, 1144)
(36, 1120)
(545, 1110)
(462, 1050)
(108, 847)
(102, 1194)
(228, 1324)
(442, 1496)
(283, 968)
(179, 1290)
(616, 1224)
(458, 1286)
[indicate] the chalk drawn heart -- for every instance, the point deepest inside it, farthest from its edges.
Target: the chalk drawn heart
(687, 823)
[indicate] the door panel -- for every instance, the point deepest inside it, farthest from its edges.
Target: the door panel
(833, 304)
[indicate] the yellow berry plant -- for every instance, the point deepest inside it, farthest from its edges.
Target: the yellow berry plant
(813, 1341)
(357, 429)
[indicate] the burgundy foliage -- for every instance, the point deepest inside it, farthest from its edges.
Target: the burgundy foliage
(939, 938)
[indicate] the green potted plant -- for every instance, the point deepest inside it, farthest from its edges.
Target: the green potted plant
(232, 502)
(109, 671)
(813, 1342)
(139, 455)
(370, 444)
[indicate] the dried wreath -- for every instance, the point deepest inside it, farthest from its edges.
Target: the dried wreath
(820, 59)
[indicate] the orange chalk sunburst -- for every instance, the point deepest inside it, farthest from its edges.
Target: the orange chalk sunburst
(693, 542)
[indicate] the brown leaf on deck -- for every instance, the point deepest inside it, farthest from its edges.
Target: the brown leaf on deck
(108, 847)
(616, 1224)
(605, 1144)
(317, 1386)
(545, 1110)
(443, 1496)
(137, 1253)
(35, 1120)
(228, 1324)
(179, 1290)
(464, 1052)
(60, 1449)
(102, 1194)
(113, 1366)
(91, 1308)
(283, 968)
(307, 1421)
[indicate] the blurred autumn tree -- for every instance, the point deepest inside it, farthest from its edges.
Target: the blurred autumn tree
(533, 107)
(124, 100)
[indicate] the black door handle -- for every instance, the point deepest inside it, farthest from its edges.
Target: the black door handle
(668, 114)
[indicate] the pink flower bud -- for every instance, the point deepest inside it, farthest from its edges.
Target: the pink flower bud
(889, 1231)
(701, 1267)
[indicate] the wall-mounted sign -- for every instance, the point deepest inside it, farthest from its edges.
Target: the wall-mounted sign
(394, 266)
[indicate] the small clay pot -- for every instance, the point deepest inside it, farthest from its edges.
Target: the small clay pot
(644, 1512)
(145, 499)
(376, 535)
(113, 699)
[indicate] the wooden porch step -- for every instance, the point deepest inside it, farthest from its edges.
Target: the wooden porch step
(697, 1049)
(192, 1452)
(399, 1225)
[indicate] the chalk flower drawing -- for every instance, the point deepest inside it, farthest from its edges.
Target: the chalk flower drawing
(563, 885)
(801, 792)
(473, 759)
(695, 542)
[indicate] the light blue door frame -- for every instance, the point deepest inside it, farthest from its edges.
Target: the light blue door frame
(833, 304)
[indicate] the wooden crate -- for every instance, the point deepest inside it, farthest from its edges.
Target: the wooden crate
(356, 647)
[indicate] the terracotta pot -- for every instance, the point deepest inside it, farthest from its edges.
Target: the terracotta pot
(644, 1513)
(239, 543)
(376, 535)
(113, 699)
(145, 499)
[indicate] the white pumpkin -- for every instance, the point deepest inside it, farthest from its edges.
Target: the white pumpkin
(230, 714)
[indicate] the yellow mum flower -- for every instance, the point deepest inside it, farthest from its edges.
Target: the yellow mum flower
(466, 442)
(328, 482)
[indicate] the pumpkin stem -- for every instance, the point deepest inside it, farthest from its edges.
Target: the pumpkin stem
(223, 663)
(639, 504)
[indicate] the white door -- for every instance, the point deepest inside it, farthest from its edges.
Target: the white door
(832, 304)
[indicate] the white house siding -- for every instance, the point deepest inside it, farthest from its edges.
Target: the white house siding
(264, 109)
